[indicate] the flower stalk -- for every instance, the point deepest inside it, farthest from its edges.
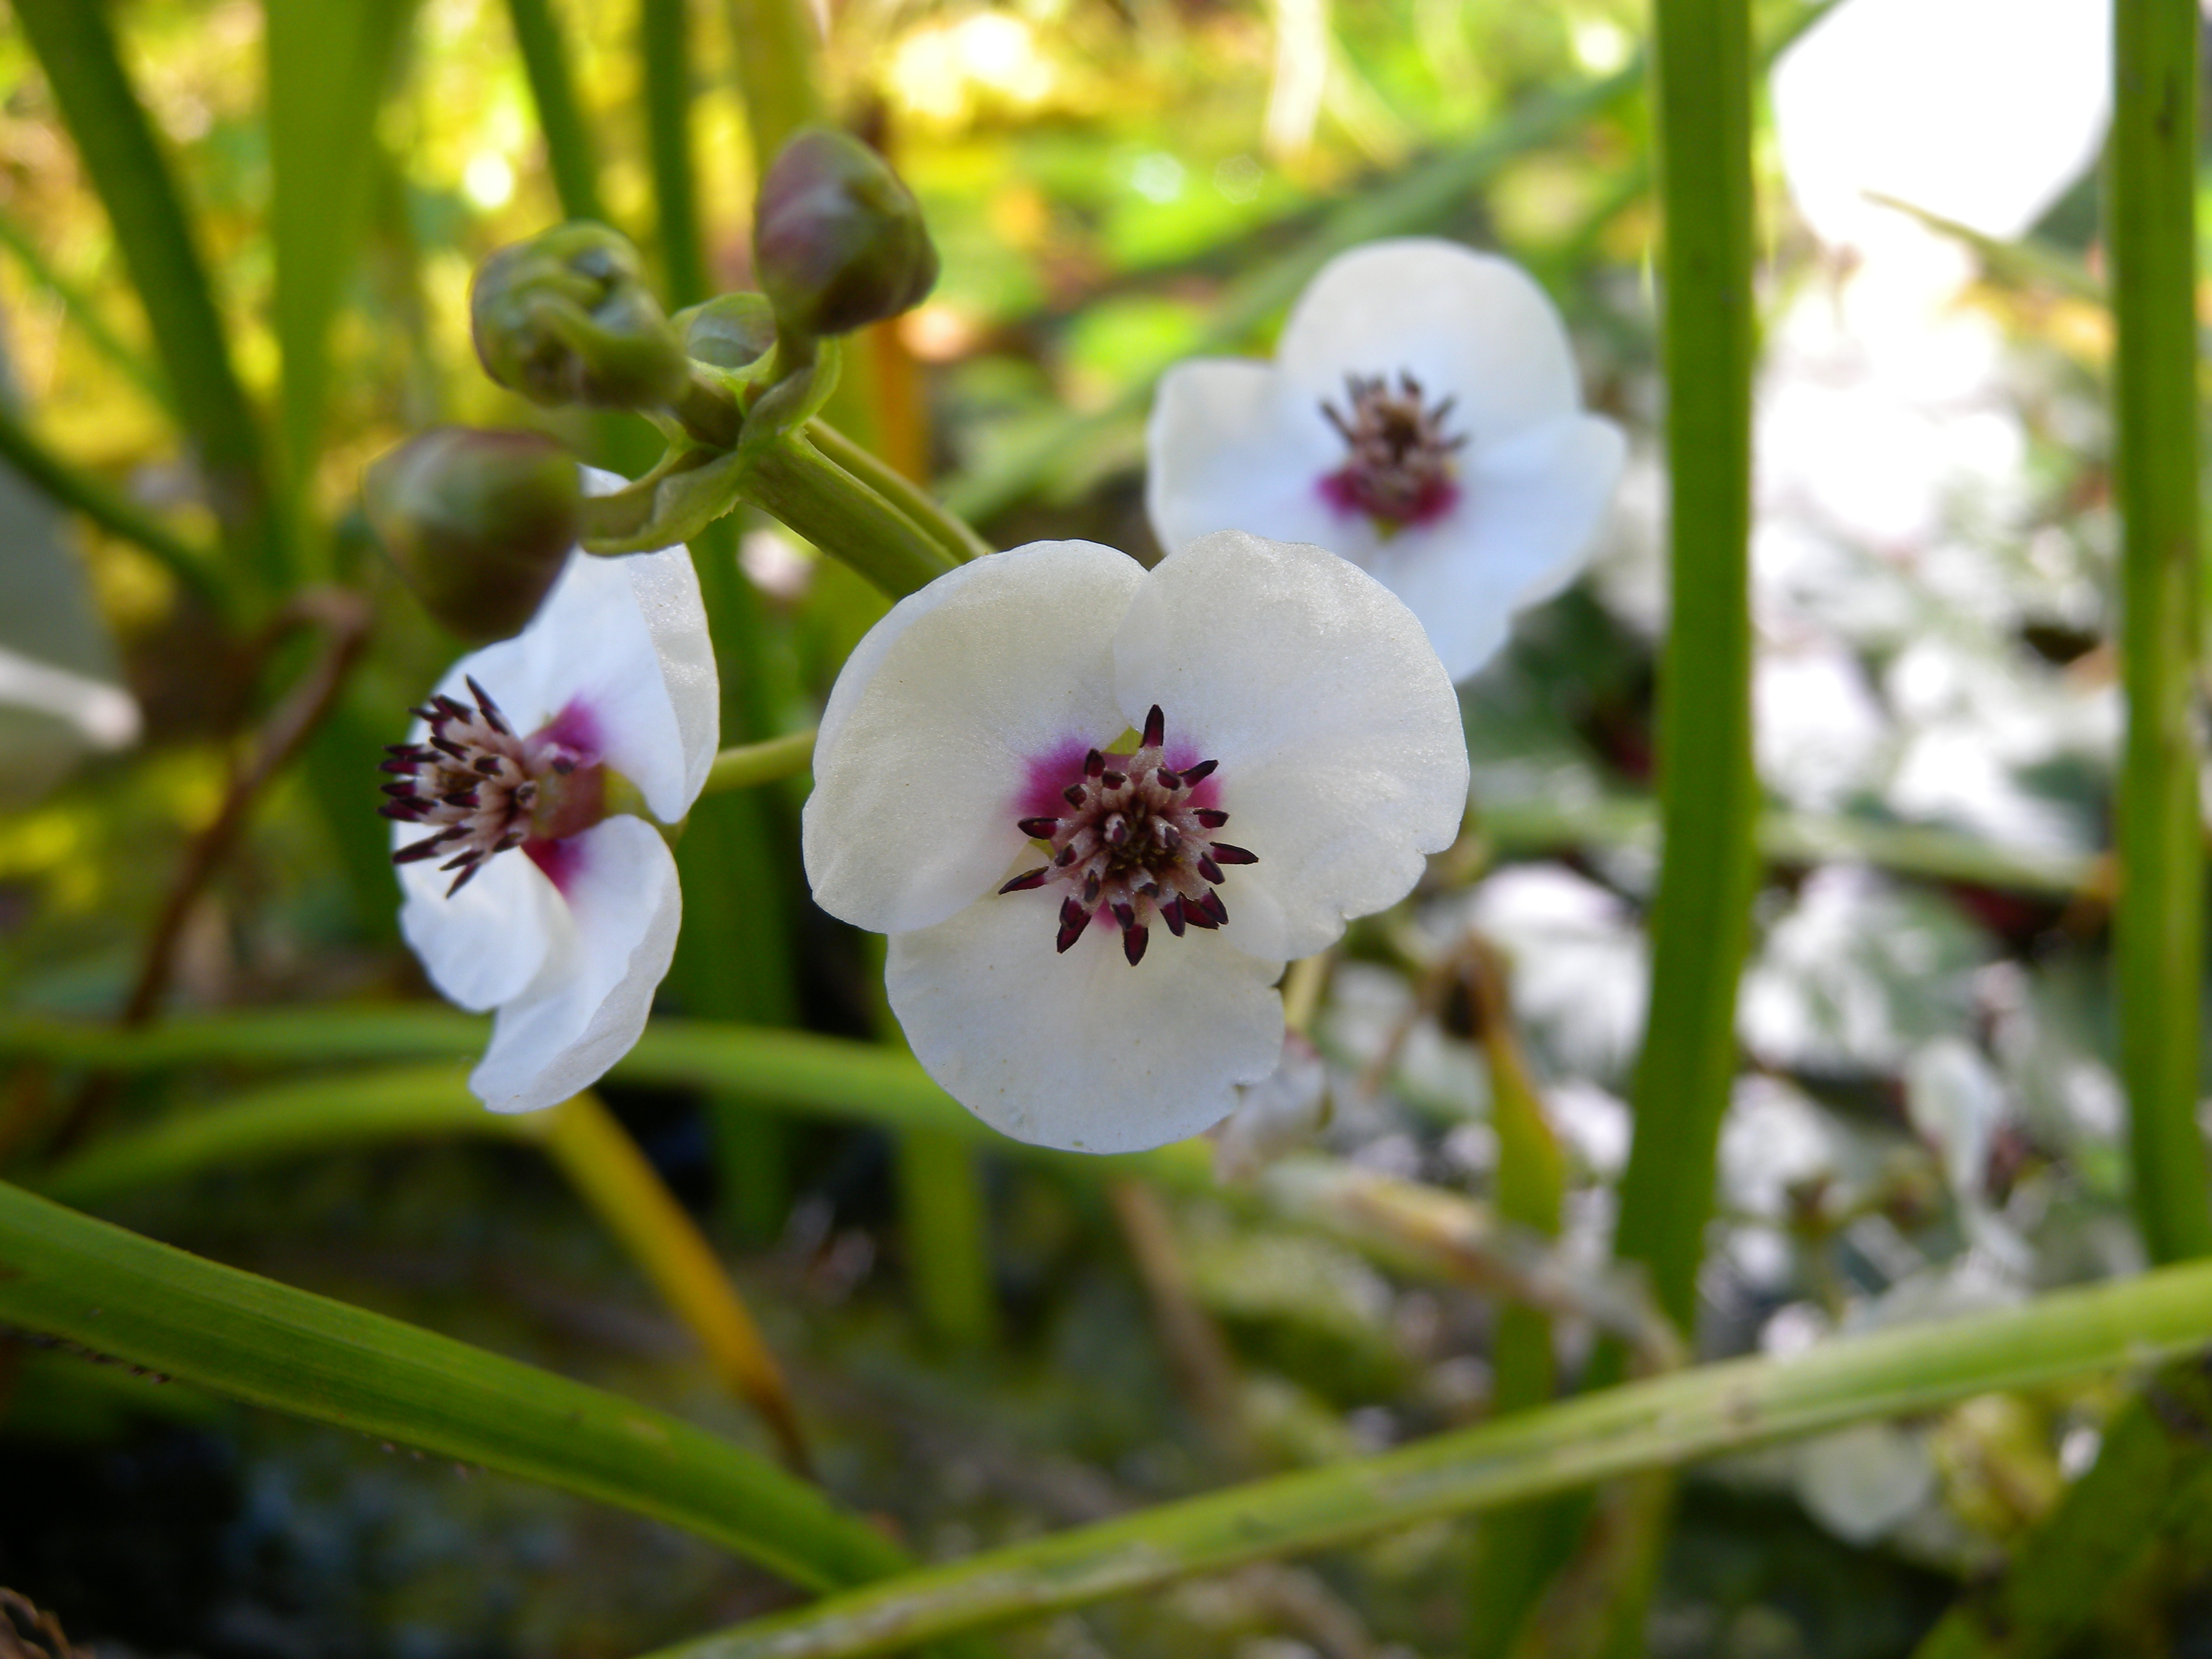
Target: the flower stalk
(2158, 928)
(1662, 1422)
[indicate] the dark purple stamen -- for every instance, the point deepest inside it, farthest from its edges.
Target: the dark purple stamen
(1134, 844)
(1397, 457)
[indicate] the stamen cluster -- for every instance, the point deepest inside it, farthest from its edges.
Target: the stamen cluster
(1134, 842)
(1398, 469)
(473, 778)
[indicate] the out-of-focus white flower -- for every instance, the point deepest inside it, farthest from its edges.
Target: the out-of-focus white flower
(1421, 418)
(541, 890)
(1981, 112)
(973, 800)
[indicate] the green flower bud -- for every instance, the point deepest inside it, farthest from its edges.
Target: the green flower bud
(567, 318)
(478, 523)
(837, 241)
(730, 332)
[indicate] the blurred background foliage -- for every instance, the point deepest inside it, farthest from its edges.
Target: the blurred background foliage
(1927, 1119)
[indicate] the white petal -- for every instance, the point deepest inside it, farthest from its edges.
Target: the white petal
(1468, 326)
(1342, 762)
(484, 943)
(1081, 1051)
(1518, 533)
(625, 639)
(1985, 111)
(1228, 447)
(589, 1001)
(925, 747)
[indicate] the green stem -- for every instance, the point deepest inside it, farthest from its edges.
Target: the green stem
(750, 763)
(86, 315)
(733, 958)
(1664, 1422)
(22, 449)
(779, 75)
(663, 43)
(65, 1275)
(77, 49)
(946, 1220)
(2158, 930)
(798, 484)
(568, 150)
(1708, 796)
(1513, 1546)
(953, 533)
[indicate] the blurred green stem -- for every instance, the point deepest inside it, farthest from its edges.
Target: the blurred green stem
(2148, 1478)
(1663, 1422)
(665, 47)
(778, 58)
(769, 761)
(118, 515)
(77, 49)
(86, 315)
(1512, 1546)
(1701, 72)
(568, 150)
(733, 959)
(2158, 927)
(946, 1218)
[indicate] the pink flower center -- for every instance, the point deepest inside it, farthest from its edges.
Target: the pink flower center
(487, 790)
(1131, 839)
(1398, 466)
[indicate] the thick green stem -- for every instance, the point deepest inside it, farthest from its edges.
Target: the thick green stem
(779, 70)
(2158, 928)
(798, 484)
(663, 43)
(569, 149)
(953, 533)
(1708, 799)
(1665, 1422)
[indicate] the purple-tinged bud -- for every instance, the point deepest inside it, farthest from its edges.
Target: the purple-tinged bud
(566, 317)
(838, 242)
(478, 523)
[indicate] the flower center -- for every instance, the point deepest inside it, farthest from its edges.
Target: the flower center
(486, 789)
(1397, 468)
(1133, 843)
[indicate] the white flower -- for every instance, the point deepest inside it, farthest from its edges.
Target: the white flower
(1421, 418)
(1109, 991)
(1982, 112)
(542, 894)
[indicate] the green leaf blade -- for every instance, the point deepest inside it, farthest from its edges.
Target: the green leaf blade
(66, 1275)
